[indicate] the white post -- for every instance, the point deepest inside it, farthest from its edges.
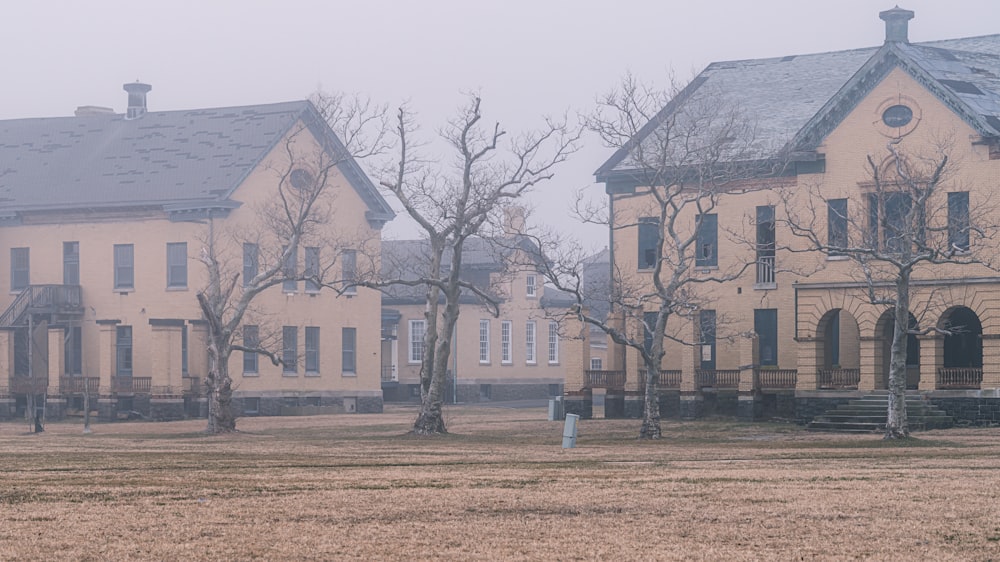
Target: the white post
(569, 431)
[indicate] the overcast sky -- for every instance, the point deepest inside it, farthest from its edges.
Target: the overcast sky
(528, 58)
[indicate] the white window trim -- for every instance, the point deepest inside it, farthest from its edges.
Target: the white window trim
(530, 343)
(531, 287)
(553, 347)
(410, 341)
(484, 342)
(596, 363)
(506, 340)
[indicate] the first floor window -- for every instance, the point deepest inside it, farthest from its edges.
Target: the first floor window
(20, 268)
(312, 349)
(124, 266)
(529, 342)
(177, 269)
(184, 351)
(416, 346)
(553, 343)
(484, 341)
(251, 339)
(505, 334)
(73, 338)
(289, 349)
(123, 351)
(349, 345)
(765, 324)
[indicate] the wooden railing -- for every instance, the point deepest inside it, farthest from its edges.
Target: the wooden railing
(29, 385)
(60, 298)
(138, 385)
(838, 378)
(75, 385)
(605, 379)
(717, 378)
(666, 379)
(775, 378)
(765, 270)
(959, 377)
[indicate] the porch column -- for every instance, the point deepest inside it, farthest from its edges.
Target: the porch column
(198, 349)
(809, 363)
(746, 407)
(931, 358)
(7, 402)
(56, 358)
(991, 362)
(691, 398)
(869, 362)
(576, 358)
(106, 403)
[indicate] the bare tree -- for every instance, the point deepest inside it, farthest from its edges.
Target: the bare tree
(912, 216)
(299, 214)
(682, 156)
(453, 202)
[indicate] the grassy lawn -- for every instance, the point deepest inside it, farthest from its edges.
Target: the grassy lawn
(500, 487)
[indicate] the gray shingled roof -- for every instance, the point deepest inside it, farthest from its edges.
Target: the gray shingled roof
(162, 158)
(787, 96)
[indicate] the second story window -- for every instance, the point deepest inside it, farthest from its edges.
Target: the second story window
(707, 240)
(530, 281)
(124, 266)
(71, 263)
(251, 262)
(289, 271)
(312, 269)
(765, 245)
(648, 236)
(349, 271)
(20, 269)
(177, 273)
(416, 347)
(958, 221)
(836, 224)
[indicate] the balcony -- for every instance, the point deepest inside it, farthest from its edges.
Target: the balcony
(838, 379)
(717, 378)
(765, 278)
(665, 380)
(79, 385)
(131, 385)
(776, 379)
(959, 378)
(54, 299)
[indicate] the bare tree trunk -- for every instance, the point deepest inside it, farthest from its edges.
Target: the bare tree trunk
(651, 408)
(896, 426)
(430, 420)
(86, 405)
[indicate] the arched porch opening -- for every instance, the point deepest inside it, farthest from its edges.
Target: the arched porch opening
(883, 352)
(838, 350)
(963, 349)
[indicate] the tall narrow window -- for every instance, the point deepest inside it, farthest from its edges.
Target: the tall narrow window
(529, 342)
(707, 239)
(290, 349)
(416, 346)
(836, 225)
(349, 265)
(124, 266)
(312, 350)
(290, 271)
(765, 245)
(73, 338)
(765, 324)
(530, 280)
(553, 343)
(596, 364)
(312, 269)
(958, 221)
(484, 342)
(898, 232)
(706, 321)
(71, 263)
(648, 328)
(123, 351)
(20, 268)
(648, 236)
(251, 340)
(184, 351)
(177, 268)
(505, 340)
(251, 262)
(349, 344)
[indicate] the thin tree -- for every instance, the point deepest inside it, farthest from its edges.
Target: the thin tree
(911, 218)
(682, 161)
(452, 203)
(300, 212)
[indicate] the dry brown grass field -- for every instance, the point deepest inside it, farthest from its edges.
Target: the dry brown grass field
(356, 487)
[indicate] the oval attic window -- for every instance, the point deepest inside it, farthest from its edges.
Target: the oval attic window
(300, 178)
(897, 116)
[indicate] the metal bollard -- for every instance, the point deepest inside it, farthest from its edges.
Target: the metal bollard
(569, 431)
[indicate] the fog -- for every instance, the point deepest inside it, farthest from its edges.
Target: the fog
(526, 58)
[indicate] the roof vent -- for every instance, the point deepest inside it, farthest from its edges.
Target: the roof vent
(136, 99)
(896, 24)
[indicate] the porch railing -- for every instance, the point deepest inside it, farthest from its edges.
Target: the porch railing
(605, 379)
(29, 385)
(959, 377)
(765, 270)
(60, 298)
(75, 385)
(666, 379)
(137, 385)
(717, 378)
(776, 378)
(831, 379)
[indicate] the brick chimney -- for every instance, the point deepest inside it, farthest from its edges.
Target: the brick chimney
(136, 99)
(896, 24)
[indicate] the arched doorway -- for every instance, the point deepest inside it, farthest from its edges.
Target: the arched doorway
(963, 349)
(838, 350)
(883, 332)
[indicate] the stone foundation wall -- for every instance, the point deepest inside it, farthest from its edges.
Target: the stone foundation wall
(973, 410)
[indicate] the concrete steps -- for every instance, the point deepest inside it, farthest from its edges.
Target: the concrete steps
(868, 415)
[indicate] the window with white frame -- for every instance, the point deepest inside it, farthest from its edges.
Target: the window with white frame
(20, 269)
(553, 343)
(124, 266)
(529, 342)
(417, 328)
(484, 342)
(505, 333)
(177, 269)
(596, 364)
(530, 280)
